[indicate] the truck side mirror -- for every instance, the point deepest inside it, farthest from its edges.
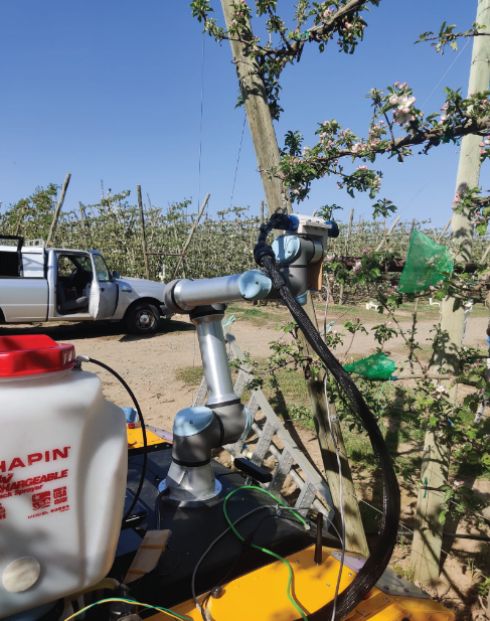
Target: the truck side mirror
(115, 275)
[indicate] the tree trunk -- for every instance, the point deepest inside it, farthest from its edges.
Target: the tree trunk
(268, 158)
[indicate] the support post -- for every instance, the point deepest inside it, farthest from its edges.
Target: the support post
(191, 234)
(85, 224)
(387, 234)
(268, 158)
(143, 231)
(346, 247)
(355, 536)
(427, 541)
(57, 209)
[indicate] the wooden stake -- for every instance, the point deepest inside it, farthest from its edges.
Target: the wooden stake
(143, 231)
(346, 247)
(485, 254)
(191, 234)
(57, 210)
(20, 219)
(85, 224)
(355, 536)
(387, 234)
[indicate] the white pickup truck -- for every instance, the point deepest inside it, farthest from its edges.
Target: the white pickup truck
(49, 284)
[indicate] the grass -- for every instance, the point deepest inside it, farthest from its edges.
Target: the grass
(404, 312)
(258, 315)
(190, 376)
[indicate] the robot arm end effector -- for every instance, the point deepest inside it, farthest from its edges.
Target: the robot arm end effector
(298, 252)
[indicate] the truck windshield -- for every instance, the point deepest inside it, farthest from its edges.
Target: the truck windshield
(103, 274)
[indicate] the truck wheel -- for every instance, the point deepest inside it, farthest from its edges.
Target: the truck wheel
(142, 319)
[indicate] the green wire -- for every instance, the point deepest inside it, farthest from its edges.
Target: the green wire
(283, 560)
(109, 600)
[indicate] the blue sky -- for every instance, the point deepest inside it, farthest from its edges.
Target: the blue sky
(111, 90)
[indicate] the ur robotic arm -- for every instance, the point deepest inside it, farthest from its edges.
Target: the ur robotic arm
(198, 430)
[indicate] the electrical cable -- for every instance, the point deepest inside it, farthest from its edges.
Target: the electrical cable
(378, 560)
(122, 600)
(201, 116)
(207, 595)
(341, 498)
(271, 553)
(266, 492)
(217, 539)
(237, 164)
(143, 427)
(230, 572)
(213, 543)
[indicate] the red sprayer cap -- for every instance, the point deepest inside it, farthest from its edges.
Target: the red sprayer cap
(32, 354)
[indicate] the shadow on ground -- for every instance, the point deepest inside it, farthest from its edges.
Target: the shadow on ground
(87, 330)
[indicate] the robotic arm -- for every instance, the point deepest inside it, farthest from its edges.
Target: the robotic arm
(198, 430)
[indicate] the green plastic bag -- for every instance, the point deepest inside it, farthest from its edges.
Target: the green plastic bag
(427, 263)
(375, 367)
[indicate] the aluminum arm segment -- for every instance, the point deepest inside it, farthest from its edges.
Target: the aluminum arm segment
(185, 295)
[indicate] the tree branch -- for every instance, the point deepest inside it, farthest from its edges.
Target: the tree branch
(429, 138)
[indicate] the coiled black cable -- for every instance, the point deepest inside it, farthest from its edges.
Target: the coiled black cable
(380, 556)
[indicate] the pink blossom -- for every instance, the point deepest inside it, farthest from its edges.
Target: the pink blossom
(403, 118)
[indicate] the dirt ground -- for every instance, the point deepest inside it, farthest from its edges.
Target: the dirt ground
(150, 365)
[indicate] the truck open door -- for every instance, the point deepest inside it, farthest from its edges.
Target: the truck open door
(103, 290)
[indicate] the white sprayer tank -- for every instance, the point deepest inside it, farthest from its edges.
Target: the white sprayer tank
(63, 466)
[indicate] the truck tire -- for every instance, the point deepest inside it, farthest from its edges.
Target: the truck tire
(142, 319)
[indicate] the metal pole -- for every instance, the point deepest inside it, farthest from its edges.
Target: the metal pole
(143, 229)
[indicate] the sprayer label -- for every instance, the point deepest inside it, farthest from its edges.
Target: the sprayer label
(34, 458)
(9, 487)
(41, 501)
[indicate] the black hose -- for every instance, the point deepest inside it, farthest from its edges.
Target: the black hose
(143, 430)
(380, 556)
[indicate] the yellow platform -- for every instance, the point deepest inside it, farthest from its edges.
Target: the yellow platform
(260, 595)
(135, 438)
